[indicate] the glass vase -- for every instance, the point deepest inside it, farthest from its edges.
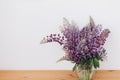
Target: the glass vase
(85, 74)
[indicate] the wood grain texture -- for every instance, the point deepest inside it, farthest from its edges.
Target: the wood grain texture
(55, 75)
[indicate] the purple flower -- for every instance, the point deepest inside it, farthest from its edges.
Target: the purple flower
(80, 45)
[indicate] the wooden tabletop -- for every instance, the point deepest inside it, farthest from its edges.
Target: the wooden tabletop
(55, 75)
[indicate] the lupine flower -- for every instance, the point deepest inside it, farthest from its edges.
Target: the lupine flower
(83, 46)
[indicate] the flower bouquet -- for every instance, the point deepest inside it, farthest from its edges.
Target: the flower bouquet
(83, 47)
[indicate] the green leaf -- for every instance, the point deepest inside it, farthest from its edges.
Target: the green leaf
(82, 62)
(75, 66)
(99, 58)
(95, 62)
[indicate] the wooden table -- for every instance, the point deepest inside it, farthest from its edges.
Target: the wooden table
(55, 75)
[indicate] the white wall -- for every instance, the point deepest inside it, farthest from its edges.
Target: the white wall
(23, 23)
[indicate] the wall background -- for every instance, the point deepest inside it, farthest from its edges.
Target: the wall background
(23, 23)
